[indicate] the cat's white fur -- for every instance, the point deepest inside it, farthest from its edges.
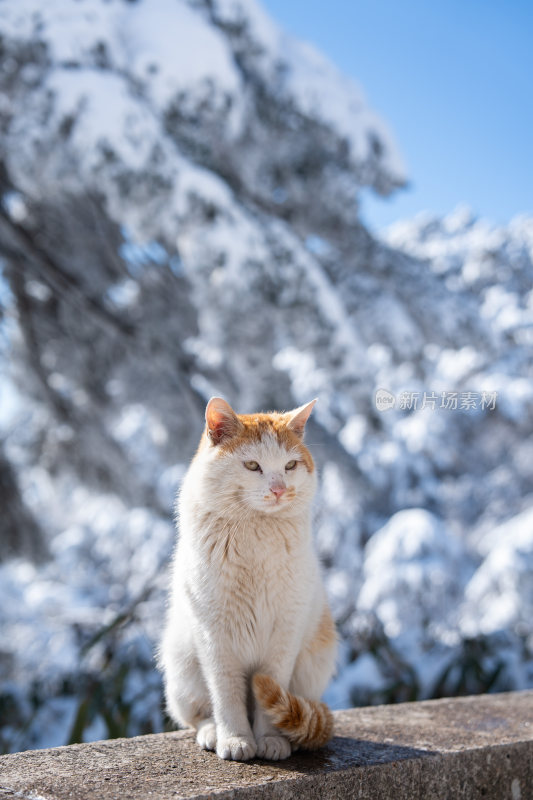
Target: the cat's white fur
(246, 594)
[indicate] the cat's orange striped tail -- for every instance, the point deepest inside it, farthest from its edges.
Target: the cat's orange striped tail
(306, 723)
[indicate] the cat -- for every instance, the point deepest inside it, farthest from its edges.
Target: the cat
(249, 643)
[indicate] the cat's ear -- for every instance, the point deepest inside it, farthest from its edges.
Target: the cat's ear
(299, 417)
(222, 421)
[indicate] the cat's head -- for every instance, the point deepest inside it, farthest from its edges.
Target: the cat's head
(258, 461)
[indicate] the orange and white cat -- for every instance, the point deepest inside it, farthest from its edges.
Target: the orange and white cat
(249, 644)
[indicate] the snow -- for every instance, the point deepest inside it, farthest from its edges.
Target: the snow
(353, 434)
(317, 86)
(324, 92)
(175, 33)
(156, 38)
(412, 567)
(500, 593)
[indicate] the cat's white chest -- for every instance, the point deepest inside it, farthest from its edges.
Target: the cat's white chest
(259, 589)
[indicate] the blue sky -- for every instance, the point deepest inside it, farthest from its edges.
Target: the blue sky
(454, 81)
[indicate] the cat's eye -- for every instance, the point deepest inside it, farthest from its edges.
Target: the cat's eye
(253, 466)
(291, 464)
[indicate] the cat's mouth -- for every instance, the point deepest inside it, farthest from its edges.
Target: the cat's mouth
(273, 502)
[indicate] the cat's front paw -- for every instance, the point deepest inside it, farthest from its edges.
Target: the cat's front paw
(207, 735)
(273, 748)
(236, 748)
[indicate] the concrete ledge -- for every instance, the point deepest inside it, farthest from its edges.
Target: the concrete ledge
(458, 748)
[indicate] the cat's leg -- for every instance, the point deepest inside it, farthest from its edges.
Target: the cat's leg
(226, 680)
(186, 692)
(206, 734)
(271, 743)
(315, 664)
(313, 670)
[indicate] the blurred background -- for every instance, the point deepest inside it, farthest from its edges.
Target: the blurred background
(190, 205)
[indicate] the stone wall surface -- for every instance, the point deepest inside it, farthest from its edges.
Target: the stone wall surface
(454, 748)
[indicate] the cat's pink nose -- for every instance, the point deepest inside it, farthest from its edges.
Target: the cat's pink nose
(278, 489)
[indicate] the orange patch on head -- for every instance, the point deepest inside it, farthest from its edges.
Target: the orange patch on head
(256, 426)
